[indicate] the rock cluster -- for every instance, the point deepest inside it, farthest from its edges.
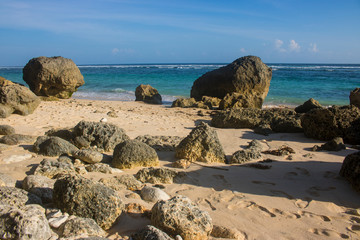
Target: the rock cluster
(147, 94)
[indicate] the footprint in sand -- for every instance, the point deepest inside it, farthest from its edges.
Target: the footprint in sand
(329, 174)
(303, 171)
(316, 216)
(222, 179)
(282, 194)
(314, 191)
(263, 183)
(303, 203)
(328, 233)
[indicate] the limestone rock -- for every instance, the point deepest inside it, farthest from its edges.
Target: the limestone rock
(181, 163)
(211, 102)
(148, 94)
(133, 153)
(157, 175)
(15, 139)
(122, 182)
(184, 103)
(53, 146)
(16, 98)
(252, 152)
(88, 156)
(153, 194)
(328, 123)
(39, 185)
(307, 106)
(238, 100)
(160, 143)
(6, 130)
(6, 180)
(53, 168)
(54, 76)
(102, 135)
(102, 168)
(202, 144)
(151, 233)
(180, 216)
(350, 169)
(81, 227)
(225, 232)
(84, 198)
(247, 75)
(25, 222)
(335, 144)
(355, 97)
(17, 197)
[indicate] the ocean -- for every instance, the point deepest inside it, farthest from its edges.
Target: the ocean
(291, 84)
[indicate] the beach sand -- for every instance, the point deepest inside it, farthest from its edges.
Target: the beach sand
(301, 198)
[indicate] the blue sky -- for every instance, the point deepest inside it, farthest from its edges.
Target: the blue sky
(145, 31)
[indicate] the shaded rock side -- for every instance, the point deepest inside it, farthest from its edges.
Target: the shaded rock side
(202, 144)
(355, 97)
(160, 143)
(151, 233)
(6, 130)
(180, 216)
(53, 146)
(328, 123)
(53, 76)
(17, 197)
(307, 106)
(16, 98)
(39, 185)
(148, 94)
(133, 153)
(84, 198)
(350, 170)
(247, 75)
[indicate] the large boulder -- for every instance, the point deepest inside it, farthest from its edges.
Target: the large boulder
(16, 98)
(248, 76)
(84, 198)
(202, 144)
(133, 153)
(350, 169)
(180, 216)
(328, 123)
(355, 97)
(148, 94)
(54, 76)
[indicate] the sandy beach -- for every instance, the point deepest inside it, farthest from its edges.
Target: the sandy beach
(301, 197)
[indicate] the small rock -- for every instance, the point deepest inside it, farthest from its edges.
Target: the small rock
(112, 114)
(121, 182)
(281, 151)
(101, 167)
(15, 139)
(350, 169)
(88, 156)
(224, 232)
(181, 163)
(307, 106)
(151, 233)
(263, 129)
(84, 227)
(156, 175)
(56, 222)
(53, 168)
(252, 152)
(103, 120)
(148, 94)
(39, 185)
(153, 194)
(6, 130)
(336, 144)
(136, 209)
(53, 146)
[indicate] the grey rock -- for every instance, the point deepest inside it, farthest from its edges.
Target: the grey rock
(336, 144)
(252, 152)
(102, 168)
(153, 194)
(6, 180)
(15, 139)
(248, 76)
(180, 216)
(88, 156)
(16, 98)
(84, 198)
(133, 153)
(53, 146)
(148, 94)
(225, 232)
(39, 185)
(6, 130)
(64, 133)
(160, 143)
(355, 97)
(157, 175)
(307, 106)
(54, 76)
(350, 170)
(202, 144)
(263, 129)
(52, 168)
(81, 227)
(25, 222)
(17, 197)
(151, 233)
(121, 182)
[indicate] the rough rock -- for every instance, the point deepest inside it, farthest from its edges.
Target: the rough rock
(211, 102)
(153, 194)
(102, 135)
(181, 163)
(148, 94)
(102, 168)
(160, 143)
(157, 175)
(180, 216)
(336, 144)
(6, 180)
(121, 182)
(54, 76)
(6, 130)
(151, 233)
(53, 146)
(328, 123)
(84, 198)
(225, 232)
(355, 97)
(281, 151)
(26, 222)
(202, 144)
(53, 168)
(189, 103)
(15, 139)
(133, 153)
(17, 197)
(88, 156)
(64, 133)
(39, 185)
(248, 76)
(16, 98)
(238, 100)
(136, 209)
(350, 169)
(81, 227)
(307, 106)
(252, 152)
(263, 129)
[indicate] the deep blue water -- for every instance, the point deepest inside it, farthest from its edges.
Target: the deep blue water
(291, 84)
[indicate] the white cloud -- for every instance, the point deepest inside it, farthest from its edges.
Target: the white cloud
(279, 45)
(313, 48)
(122, 51)
(294, 46)
(243, 50)
(115, 51)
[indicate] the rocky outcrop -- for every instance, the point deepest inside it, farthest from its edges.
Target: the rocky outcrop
(148, 94)
(307, 106)
(202, 144)
(39, 185)
(350, 169)
(53, 146)
(160, 143)
(180, 216)
(84, 198)
(54, 76)
(279, 119)
(151, 233)
(248, 76)
(328, 123)
(252, 152)
(133, 153)
(238, 100)
(157, 175)
(16, 98)
(355, 97)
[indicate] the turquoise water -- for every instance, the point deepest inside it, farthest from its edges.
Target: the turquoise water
(291, 84)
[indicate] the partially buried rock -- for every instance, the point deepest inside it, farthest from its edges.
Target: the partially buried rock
(335, 144)
(17, 197)
(39, 185)
(202, 144)
(88, 156)
(181, 163)
(350, 169)
(16, 98)
(153, 194)
(6, 130)
(15, 139)
(53, 168)
(355, 97)
(148, 94)
(307, 106)
(84, 198)
(225, 232)
(281, 151)
(101, 167)
(189, 103)
(151, 233)
(133, 153)
(53, 146)
(25, 222)
(180, 216)
(81, 227)
(160, 143)
(54, 76)
(157, 175)
(122, 182)
(252, 152)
